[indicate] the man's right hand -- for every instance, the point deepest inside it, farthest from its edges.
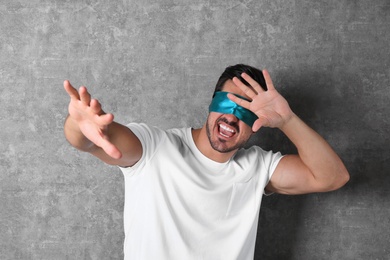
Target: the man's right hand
(91, 120)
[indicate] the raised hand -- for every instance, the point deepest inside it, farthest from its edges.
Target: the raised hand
(92, 121)
(270, 107)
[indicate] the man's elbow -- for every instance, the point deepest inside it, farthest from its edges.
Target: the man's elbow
(340, 180)
(345, 177)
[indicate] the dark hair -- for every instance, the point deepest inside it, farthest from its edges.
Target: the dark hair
(236, 71)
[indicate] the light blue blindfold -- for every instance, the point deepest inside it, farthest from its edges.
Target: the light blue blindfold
(222, 104)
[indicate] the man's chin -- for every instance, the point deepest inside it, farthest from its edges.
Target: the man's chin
(222, 147)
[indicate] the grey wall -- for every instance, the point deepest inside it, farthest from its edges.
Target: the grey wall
(157, 62)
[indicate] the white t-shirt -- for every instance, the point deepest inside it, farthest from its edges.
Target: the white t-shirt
(181, 205)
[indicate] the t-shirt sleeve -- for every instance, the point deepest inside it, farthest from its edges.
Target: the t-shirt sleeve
(150, 138)
(274, 159)
(271, 161)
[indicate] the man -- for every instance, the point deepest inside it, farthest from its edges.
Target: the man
(196, 193)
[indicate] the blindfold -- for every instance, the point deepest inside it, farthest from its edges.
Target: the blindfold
(222, 104)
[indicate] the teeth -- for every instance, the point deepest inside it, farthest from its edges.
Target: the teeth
(223, 134)
(224, 127)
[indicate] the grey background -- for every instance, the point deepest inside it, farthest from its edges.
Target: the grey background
(157, 62)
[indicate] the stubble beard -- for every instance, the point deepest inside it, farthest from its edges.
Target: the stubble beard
(221, 145)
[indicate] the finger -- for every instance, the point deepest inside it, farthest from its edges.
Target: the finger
(112, 151)
(247, 90)
(96, 106)
(268, 80)
(255, 85)
(105, 119)
(239, 101)
(72, 92)
(102, 118)
(85, 97)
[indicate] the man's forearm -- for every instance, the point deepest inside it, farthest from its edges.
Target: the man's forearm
(325, 165)
(122, 141)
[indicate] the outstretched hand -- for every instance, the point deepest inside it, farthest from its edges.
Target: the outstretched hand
(91, 119)
(270, 107)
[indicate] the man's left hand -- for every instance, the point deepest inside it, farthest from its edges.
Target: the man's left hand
(270, 107)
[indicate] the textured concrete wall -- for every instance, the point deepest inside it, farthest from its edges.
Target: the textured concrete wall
(157, 62)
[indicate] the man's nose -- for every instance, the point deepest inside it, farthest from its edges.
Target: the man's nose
(231, 118)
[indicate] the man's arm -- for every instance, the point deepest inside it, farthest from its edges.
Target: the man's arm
(89, 129)
(316, 168)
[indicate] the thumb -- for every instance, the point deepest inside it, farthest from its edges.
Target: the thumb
(260, 122)
(110, 149)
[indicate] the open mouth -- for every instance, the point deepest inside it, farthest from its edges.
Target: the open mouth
(226, 130)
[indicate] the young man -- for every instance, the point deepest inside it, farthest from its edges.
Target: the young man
(196, 193)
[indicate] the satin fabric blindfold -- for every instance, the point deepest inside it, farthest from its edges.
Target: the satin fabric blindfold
(222, 104)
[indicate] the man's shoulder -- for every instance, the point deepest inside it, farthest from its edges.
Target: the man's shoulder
(180, 132)
(254, 152)
(155, 132)
(156, 128)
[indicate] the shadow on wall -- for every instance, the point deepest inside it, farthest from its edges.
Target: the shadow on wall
(334, 106)
(280, 215)
(310, 96)
(278, 227)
